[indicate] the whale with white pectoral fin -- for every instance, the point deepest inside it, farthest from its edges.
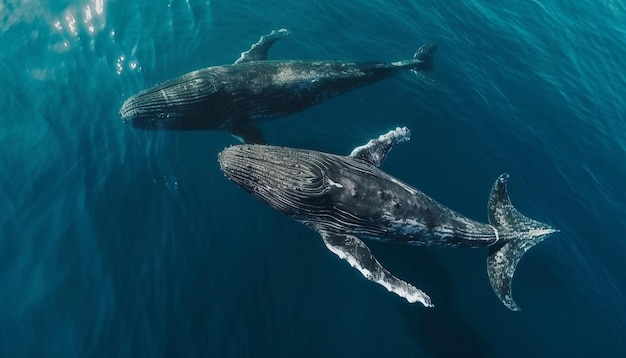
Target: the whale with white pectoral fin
(237, 96)
(347, 199)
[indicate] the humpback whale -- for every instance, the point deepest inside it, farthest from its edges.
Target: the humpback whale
(347, 199)
(235, 97)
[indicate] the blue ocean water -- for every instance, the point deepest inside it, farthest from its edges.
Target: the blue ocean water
(118, 242)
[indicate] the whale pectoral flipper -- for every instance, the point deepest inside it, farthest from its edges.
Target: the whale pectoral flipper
(359, 256)
(258, 51)
(517, 233)
(375, 151)
(248, 132)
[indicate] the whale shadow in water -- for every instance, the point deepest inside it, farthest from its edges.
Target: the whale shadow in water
(433, 328)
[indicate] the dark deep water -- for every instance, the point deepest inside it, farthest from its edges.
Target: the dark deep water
(118, 242)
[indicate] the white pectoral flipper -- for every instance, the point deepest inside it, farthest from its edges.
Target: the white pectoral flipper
(376, 150)
(359, 256)
(258, 51)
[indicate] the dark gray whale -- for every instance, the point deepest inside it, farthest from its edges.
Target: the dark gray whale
(235, 97)
(347, 199)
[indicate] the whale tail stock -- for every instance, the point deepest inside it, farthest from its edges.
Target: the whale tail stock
(422, 61)
(517, 234)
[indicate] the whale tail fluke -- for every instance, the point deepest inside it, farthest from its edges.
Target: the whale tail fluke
(517, 234)
(422, 61)
(426, 54)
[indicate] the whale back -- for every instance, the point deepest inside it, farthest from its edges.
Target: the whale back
(220, 96)
(327, 191)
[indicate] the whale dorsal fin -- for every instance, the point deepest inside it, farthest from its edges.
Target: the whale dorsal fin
(376, 150)
(359, 256)
(258, 51)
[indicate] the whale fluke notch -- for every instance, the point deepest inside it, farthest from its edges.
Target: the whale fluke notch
(258, 51)
(359, 256)
(375, 151)
(517, 233)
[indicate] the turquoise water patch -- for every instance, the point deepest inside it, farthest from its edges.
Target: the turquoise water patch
(120, 242)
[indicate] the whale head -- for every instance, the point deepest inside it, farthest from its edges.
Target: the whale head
(292, 181)
(180, 103)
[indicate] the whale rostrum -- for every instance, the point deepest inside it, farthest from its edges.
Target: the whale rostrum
(348, 199)
(235, 97)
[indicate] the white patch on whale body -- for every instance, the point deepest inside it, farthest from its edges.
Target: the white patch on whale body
(312, 75)
(496, 233)
(286, 75)
(415, 232)
(403, 185)
(411, 228)
(332, 183)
